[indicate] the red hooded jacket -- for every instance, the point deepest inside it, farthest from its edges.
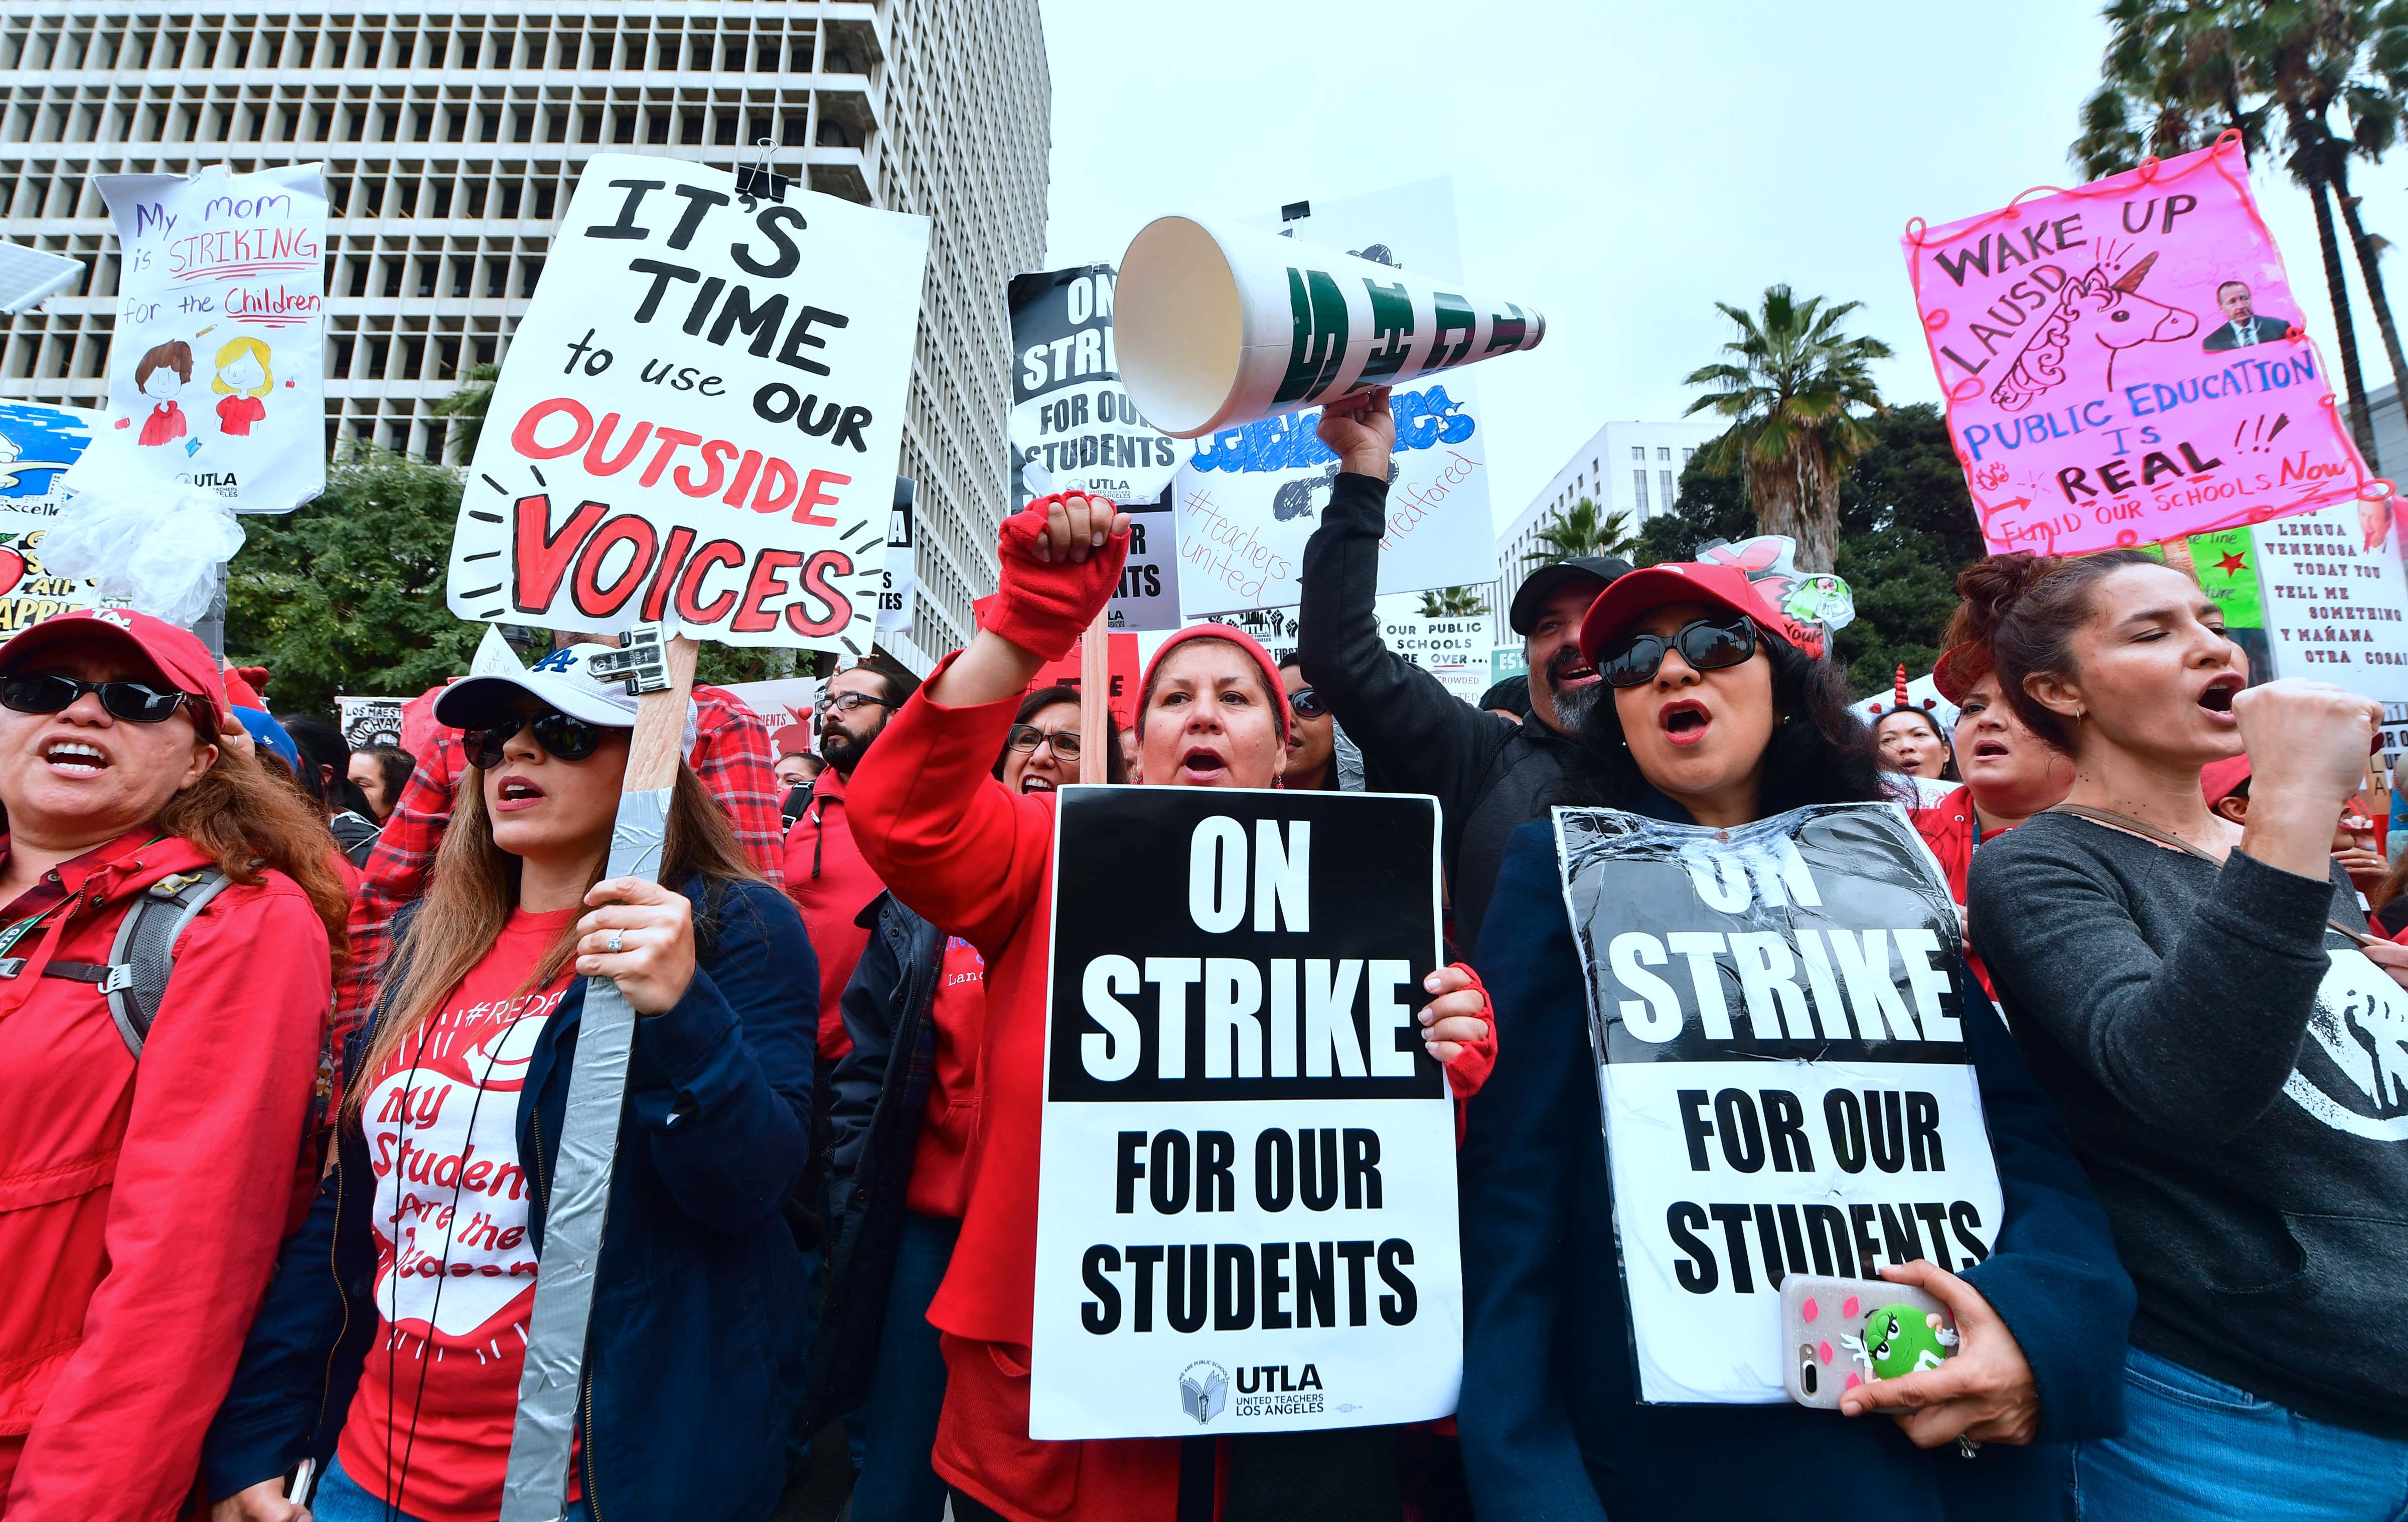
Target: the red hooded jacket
(141, 1206)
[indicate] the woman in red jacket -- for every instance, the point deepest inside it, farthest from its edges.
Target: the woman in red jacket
(975, 858)
(145, 1172)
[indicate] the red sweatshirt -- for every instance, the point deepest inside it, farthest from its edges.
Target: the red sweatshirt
(140, 1206)
(831, 883)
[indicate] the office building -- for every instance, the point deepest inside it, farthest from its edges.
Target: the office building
(452, 136)
(1632, 469)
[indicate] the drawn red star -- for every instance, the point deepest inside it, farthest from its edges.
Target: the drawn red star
(2232, 565)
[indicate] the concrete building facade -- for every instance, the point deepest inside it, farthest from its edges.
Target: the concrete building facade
(452, 134)
(1628, 467)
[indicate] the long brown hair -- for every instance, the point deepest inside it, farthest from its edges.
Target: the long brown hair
(476, 885)
(248, 823)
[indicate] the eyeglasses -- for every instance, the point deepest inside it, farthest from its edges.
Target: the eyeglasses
(1307, 703)
(563, 739)
(1026, 736)
(1634, 659)
(50, 693)
(845, 702)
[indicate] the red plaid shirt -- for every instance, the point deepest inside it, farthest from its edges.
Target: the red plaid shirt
(731, 756)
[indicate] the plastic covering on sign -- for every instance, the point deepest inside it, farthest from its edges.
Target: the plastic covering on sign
(536, 1485)
(161, 551)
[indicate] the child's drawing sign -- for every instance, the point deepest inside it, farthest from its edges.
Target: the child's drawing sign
(2123, 363)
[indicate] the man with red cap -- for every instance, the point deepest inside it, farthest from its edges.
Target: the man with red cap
(2225, 785)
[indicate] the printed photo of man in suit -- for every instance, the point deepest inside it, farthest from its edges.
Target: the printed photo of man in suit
(2243, 329)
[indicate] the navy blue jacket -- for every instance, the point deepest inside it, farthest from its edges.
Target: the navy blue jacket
(695, 1357)
(1543, 1291)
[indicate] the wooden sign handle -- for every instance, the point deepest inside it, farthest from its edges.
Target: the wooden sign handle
(658, 743)
(1095, 700)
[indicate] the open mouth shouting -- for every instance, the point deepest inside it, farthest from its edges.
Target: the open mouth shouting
(74, 758)
(2217, 698)
(514, 793)
(1034, 784)
(1990, 750)
(1567, 671)
(1202, 765)
(1685, 720)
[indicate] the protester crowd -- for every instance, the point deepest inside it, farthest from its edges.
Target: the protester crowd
(255, 988)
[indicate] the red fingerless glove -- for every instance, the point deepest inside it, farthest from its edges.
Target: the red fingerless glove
(1044, 606)
(1478, 1060)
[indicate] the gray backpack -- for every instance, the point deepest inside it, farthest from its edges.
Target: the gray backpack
(134, 978)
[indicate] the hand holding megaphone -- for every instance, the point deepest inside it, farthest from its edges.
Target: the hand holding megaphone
(1218, 326)
(1361, 432)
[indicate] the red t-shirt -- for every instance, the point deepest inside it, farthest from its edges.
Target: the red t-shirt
(430, 1426)
(940, 1180)
(830, 882)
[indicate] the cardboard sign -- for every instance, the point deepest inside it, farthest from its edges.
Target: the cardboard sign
(2122, 363)
(371, 721)
(1457, 650)
(1069, 413)
(37, 444)
(1122, 652)
(1778, 1017)
(901, 573)
(780, 701)
(1252, 496)
(700, 419)
(1246, 1208)
(217, 371)
(2333, 609)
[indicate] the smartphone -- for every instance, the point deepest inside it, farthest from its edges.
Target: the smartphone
(1839, 1333)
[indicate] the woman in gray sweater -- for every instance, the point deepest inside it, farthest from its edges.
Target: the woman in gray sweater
(2232, 1063)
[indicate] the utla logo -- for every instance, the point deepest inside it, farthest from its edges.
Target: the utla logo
(1203, 1391)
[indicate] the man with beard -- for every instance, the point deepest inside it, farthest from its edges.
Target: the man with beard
(1490, 774)
(826, 874)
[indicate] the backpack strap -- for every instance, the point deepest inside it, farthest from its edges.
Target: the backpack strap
(144, 954)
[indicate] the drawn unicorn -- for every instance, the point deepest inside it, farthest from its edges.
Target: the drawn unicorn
(2098, 314)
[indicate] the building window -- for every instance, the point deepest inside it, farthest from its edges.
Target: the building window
(1663, 453)
(1685, 453)
(1665, 477)
(1638, 451)
(1638, 489)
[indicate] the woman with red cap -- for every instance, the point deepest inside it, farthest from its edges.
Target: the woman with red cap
(150, 1133)
(2010, 774)
(974, 856)
(1723, 712)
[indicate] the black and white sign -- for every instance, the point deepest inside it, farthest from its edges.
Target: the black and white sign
(902, 565)
(1246, 1207)
(1778, 1015)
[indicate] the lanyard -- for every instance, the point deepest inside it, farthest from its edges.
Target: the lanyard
(16, 932)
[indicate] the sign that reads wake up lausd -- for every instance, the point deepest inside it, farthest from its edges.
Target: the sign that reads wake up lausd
(1246, 1208)
(701, 416)
(1778, 1017)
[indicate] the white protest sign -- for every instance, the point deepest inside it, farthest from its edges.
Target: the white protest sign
(1457, 650)
(700, 419)
(1251, 497)
(1246, 1208)
(371, 721)
(2335, 610)
(902, 570)
(37, 444)
(217, 369)
(780, 701)
(1069, 414)
(1759, 1121)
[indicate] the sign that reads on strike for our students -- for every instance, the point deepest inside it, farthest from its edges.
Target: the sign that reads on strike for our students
(1246, 1208)
(700, 419)
(1778, 1013)
(2124, 364)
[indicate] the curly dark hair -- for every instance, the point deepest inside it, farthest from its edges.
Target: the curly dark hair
(1820, 750)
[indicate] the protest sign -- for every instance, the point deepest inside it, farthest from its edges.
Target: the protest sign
(217, 371)
(1122, 655)
(701, 416)
(1069, 411)
(1252, 496)
(1759, 1121)
(371, 721)
(2123, 362)
(1457, 650)
(780, 701)
(1246, 1208)
(902, 569)
(2333, 609)
(37, 444)
(1507, 661)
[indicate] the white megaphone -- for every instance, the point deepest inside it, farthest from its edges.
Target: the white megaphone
(1219, 325)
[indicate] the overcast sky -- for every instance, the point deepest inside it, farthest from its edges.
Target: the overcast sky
(1621, 167)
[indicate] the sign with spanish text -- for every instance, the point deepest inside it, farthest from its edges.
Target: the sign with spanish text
(700, 418)
(371, 721)
(37, 444)
(1252, 496)
(1777, 1013)
(1246, 1207)
(217, 367)
(2123, 363)
(2333, 609)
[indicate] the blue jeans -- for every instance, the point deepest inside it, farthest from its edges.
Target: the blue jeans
(341, 1498)
(2198, 1450)
(898, 1419)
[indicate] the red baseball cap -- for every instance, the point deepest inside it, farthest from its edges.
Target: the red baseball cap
(1629, 598)
(177, 659)
(2220, 779)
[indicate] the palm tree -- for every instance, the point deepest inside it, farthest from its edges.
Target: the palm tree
(1580, 534)
(1797, 390)
(467, 406)
(1454, 602)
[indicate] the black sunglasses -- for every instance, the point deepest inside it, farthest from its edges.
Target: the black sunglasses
(134, 702)
(1307, 703)
(1634, 659)
(1024, 736)
(563, 739)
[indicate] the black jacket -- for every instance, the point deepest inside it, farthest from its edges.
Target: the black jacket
(874, 1105)
(1490, 775)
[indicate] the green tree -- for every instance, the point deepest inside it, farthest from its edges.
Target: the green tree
(1797, 390)
(1581, 533)
(467, 406)
(2178, 72)
(1454, 602)
(1906, 527)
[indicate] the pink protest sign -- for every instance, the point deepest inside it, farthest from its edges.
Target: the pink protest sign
(2124, 364)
